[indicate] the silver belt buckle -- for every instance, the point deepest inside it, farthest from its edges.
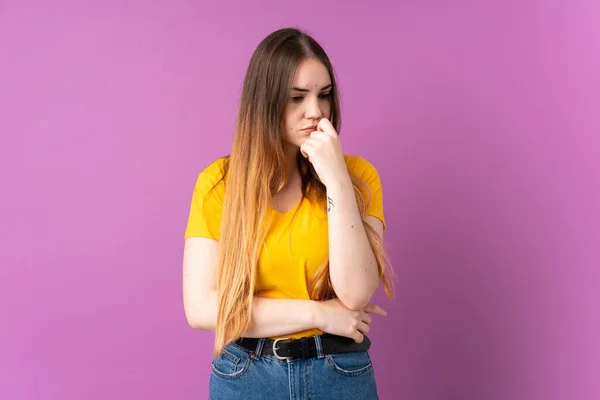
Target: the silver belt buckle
(275, 349)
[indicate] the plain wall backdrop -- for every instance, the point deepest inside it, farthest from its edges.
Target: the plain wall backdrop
(481, 117)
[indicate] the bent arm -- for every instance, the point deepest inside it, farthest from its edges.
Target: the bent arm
(270, 317)
(353, 268)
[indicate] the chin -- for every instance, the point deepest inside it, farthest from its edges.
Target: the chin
(294, 143)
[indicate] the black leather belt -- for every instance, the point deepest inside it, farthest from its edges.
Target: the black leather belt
(289, 349)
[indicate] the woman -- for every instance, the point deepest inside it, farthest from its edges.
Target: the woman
(283, 247)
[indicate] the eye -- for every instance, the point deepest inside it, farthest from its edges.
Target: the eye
(325, 95)
(297, 99)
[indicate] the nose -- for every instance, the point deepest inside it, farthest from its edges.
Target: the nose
(313, 110)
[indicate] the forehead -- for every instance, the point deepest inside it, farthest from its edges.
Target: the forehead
(311, 74)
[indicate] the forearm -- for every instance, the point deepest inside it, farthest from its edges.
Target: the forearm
(270, 317)
(275, 317)
(352, 265)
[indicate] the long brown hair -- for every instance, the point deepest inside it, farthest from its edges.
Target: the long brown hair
(256, 169)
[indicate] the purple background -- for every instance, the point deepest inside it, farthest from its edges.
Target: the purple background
(482, 118)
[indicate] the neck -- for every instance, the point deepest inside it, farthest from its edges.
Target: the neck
(290, 152)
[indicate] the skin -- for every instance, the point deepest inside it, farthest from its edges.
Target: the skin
(354, 275)
(305, 109)
(274, 317)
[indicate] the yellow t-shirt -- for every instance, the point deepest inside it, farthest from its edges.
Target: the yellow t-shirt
(297, 242)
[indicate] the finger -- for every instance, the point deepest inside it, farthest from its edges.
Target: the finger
(325, 125)
(366, 318)
(318, 135)
(372, 308)
(363, 328)
(358, 337)
(307, 149)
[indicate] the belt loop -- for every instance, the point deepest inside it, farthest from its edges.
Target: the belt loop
(259, 348)
(319, 346)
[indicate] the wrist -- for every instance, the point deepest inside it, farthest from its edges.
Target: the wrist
(340, 184)
(316, 315)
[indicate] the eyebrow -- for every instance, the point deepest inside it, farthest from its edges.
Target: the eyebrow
(307, 90)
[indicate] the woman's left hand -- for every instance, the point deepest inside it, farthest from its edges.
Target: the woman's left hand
(324, 151)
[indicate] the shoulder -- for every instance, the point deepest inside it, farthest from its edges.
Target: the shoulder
(213, 172)
(360, 167)
(211, 177)
(216, 169)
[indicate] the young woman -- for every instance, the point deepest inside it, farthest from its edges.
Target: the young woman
(283, 247)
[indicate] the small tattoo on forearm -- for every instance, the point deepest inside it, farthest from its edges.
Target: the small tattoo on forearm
(329, 204)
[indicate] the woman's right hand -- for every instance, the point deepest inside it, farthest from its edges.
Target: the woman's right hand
(335, 318)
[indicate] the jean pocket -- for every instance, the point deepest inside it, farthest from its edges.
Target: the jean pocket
(229, 365)
(352, 363)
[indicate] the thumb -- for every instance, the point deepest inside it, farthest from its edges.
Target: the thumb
(303, 151)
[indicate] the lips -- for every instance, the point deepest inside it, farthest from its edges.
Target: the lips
(310, 128)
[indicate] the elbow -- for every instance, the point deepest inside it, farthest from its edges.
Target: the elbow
(201, 325)
(200, 312)
(355, 303)
(357, 298)
(200, 322)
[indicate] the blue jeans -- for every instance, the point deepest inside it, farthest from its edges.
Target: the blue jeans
(239, 373)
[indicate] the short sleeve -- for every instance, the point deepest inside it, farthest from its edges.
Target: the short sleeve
(207, 204)
(367, 172)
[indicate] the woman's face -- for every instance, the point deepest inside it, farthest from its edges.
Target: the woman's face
(309, 101)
